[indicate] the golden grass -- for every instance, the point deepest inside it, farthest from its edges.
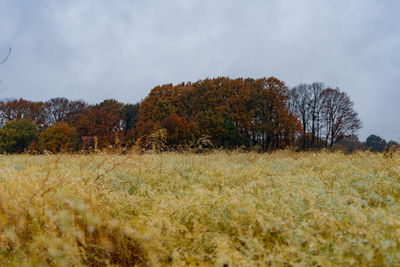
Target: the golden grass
(220, 209)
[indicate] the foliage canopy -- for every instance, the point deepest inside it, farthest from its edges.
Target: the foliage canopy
(17, 135)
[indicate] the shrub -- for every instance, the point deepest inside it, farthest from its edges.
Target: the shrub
(16, 136)
(58, 138)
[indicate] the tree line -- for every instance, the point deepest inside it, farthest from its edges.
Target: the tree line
(60, 124)
(262, 114)
(373, 143)
(230, 112)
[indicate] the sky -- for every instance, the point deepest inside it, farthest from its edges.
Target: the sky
(101, 49)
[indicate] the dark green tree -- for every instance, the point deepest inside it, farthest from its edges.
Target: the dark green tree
(231, 138)
(375, 143)
(16, 136)
(130, 116)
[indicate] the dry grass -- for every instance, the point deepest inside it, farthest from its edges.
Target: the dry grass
(220, 209)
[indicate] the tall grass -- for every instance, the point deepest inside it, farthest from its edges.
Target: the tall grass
(219, 209)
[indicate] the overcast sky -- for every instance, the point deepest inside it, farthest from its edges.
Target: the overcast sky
(99, 49)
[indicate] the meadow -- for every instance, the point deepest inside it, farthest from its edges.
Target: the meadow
(215, 209)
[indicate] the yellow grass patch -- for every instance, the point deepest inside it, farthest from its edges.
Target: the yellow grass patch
(218, 209)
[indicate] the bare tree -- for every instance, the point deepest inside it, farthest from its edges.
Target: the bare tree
(299, 99)
(340, 118)
(60, 109)
(305, 102)
(315, 106)
(57, 110)
(321, 111)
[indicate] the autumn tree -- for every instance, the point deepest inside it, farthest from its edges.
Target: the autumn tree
(111, 106)
(158, 111)
(179, 131)
(231, 112)
(99, 123)
(272, 125)
(59, 138)
(16, 109)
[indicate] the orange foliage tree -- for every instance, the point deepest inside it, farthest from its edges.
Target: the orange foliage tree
(58, 138)
(16, 109)
(99, 123)
(233, 112)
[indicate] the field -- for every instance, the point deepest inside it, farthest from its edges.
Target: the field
(217, 209)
